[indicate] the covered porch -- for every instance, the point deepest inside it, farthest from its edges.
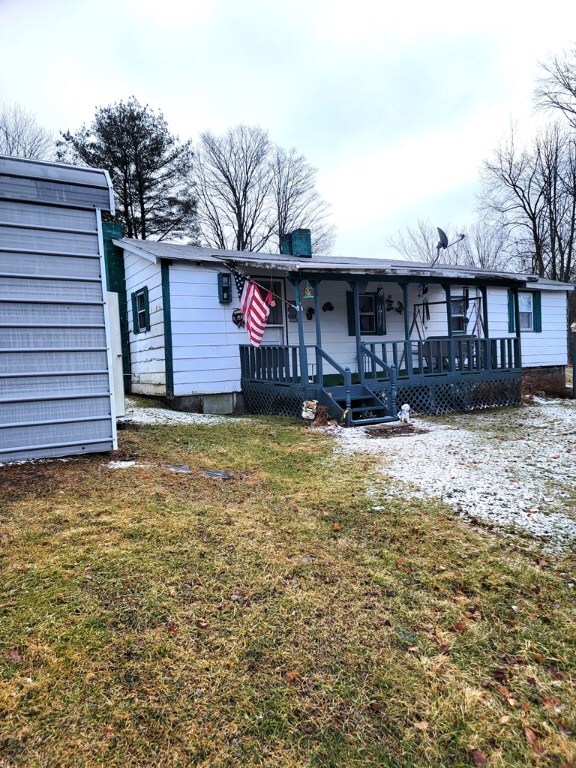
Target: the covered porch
(424, 340)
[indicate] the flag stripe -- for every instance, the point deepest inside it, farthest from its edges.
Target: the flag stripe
(255, 311)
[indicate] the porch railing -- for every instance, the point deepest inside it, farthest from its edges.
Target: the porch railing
(281, 363)
(442, 355)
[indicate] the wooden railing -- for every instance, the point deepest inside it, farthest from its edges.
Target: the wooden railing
(442, 355)
(281, 364)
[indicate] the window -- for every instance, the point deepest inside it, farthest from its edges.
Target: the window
(529, 311)
(140, 311)
(459, 313)
(276, 316)
(526, 309)
(372, 318)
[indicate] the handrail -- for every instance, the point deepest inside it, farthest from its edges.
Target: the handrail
(390, 369)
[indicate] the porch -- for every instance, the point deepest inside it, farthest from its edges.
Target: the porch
(434, 375)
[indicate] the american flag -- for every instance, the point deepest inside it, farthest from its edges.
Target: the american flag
(239, 279)
(255, 311)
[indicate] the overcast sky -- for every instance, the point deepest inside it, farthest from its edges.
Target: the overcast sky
(395, 103)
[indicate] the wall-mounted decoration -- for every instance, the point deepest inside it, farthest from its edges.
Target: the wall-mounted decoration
(238, 318)
(292, 313)
(328, 307)
(310, 313)
(389, 303)
(224, 287)
(399, 307)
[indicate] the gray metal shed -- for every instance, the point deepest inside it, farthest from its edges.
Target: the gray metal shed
(55, 359)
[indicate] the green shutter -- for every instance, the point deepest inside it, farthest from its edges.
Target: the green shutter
(134, 315)
(511, 312)
(537, 311)
(350, 311)
(147, 306)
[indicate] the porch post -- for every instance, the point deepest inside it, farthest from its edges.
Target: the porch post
(446, 287)
(485, 327)
(518, 344)
(484, 292)
(319, 371)
(359, 355)
(301, 343)
(407, 343)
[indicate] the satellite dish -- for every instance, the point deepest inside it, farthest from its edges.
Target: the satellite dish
(443, 239)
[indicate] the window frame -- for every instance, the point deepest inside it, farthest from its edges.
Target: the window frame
(459, 319)
(378, 314)
(141, 310)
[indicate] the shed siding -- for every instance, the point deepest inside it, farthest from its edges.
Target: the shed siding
(147, 347)
(55, 393)
(550, 346)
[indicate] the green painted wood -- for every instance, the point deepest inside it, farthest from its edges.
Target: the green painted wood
(116, 281)
(511, 312)
(167, 315)
(537, 311)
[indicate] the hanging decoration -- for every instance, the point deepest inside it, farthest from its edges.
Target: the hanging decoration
(308, 292)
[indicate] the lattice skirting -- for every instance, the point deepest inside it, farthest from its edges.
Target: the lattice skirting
(456, 397)
(273, 400)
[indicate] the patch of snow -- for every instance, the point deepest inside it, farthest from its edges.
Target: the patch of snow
(136, 415)
(511, 468)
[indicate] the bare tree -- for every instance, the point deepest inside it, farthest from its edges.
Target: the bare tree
(417, 242)
(21, 136)
(297, 203)
(233, 183)
(556, 88)
(532, 190)
(251, 192)
(483, 246)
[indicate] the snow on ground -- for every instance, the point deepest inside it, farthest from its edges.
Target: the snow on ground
(135, 414)
(509, 468)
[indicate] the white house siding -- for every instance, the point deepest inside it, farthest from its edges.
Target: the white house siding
(147, 347)
(550, 347)
(205, 341)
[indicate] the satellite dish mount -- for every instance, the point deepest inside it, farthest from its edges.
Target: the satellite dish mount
(443, 243)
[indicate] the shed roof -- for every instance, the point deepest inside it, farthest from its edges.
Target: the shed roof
(334, 265)
(61, 184)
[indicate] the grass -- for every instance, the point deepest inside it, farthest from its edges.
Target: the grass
(276, 619)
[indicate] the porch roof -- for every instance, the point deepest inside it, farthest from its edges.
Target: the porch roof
(332, 267)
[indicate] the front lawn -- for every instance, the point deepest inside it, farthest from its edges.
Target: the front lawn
(284, 617)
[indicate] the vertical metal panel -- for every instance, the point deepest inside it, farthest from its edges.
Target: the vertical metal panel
(55, 373)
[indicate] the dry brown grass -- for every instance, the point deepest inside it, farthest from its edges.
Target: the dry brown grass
(157, 619)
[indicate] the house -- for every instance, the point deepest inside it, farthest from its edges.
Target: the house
(358, 335)
(56, 396)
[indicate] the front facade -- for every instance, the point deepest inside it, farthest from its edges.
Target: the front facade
(358, 335)
(56, 394)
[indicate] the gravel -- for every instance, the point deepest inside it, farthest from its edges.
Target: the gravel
(512, 469)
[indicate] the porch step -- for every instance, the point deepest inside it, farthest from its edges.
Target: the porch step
(365, 406)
